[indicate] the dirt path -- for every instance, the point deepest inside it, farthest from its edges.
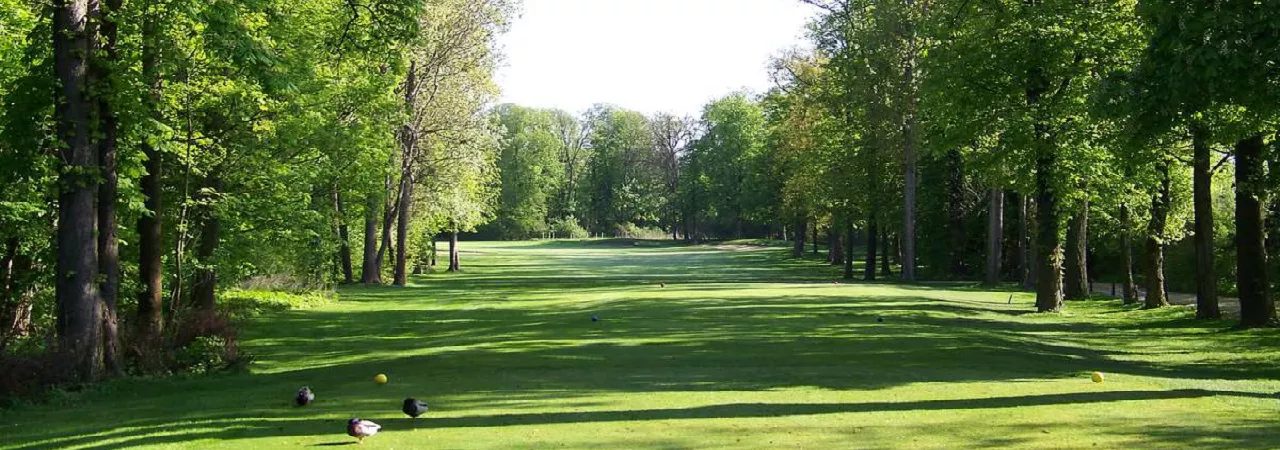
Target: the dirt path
(1230, 305)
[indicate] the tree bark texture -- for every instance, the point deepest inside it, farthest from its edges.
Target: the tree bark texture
(108, 146)
(204, 283)
(79, 307)
(344, 238)
(797, 249)
(454, 263)
(995, 236)
(402, 234)
(869, 270)
(370, 272)
(1076, 284)
(1130, 288)
(1202, 195)
(1156, 296)
(150, 313)
(1257, 309)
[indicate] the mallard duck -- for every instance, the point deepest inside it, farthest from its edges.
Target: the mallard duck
(305, 396)
(361, 429)
(414, 407)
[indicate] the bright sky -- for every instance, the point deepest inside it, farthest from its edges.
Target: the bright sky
(646, 55)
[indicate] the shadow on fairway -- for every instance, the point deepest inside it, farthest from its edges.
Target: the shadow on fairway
(503, 334)
(265, 428)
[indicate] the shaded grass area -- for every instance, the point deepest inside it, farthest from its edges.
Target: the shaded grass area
(742, 348)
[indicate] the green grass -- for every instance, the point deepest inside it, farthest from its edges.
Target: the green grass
(742, 349)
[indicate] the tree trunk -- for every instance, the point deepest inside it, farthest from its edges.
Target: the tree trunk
(1076, 284)
(434, 246)
(909, 150)
(344, 238)
(454, 264)
(108, 146)
(684, 223)
(150, 223)
(15, 319)
(995, 236)
(370, 271)
(848, 249)
(1156, 297)
(831, 238)
(1029, 259)
(1202, 176)
(835, 248)
(955, 213)
(797, 249)
(79, 307)
(15, 298)
(815, 237)
(1048, 244)
(1016, 240)
(885, 240)
(204, 283)
(1257, 309)
(402, 234)
(869, 270)
(8, 307)
(1126, 247)
(388, 217)
(397, 209)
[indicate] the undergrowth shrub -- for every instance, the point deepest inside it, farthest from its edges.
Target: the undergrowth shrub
(568, 228)
(633, 231)
(283, 283)
(195, 343)
(242, 304)
(26, 376)
(205, 343)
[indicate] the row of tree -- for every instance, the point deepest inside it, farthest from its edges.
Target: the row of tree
(1050, 143)
(1081, 111)
(153, 153)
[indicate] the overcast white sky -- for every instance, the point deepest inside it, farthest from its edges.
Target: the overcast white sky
(646, 55)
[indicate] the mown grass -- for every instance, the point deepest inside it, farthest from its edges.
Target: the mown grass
(743, 348)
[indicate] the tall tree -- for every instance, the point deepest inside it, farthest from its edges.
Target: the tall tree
(530, 171)
(150, 224)
(730, 149)
(108, 127)
(78, 303)
(672, 136)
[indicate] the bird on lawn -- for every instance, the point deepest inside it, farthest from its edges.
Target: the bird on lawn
(662, 285)
(879, 319)
(414, 407)
(361, 429)
(595, 318)
(305, 396)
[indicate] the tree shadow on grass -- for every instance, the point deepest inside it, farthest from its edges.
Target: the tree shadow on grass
(259, 428)
(458, 336)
